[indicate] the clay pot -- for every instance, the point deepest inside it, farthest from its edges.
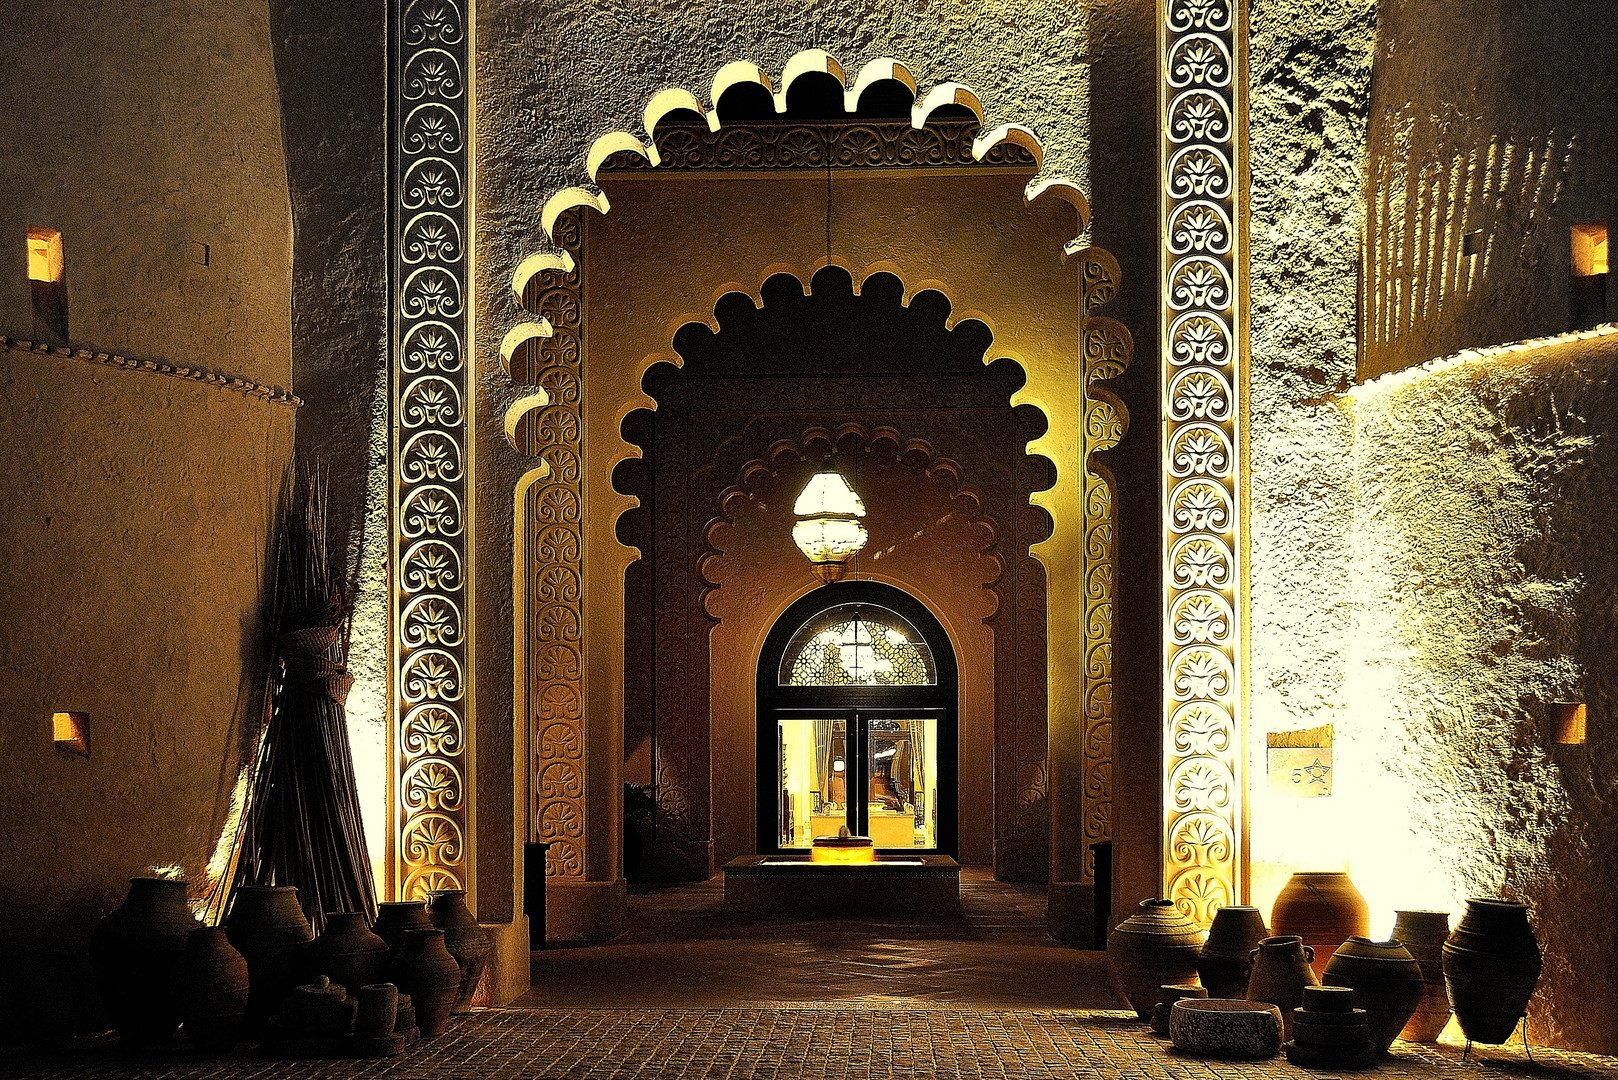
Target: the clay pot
(1154, 946)
(429, 974)
(464, 938)
(1386, 981)
(212, 987)
(1328, 1032)
(267, 927)
(1423, 934)
(1226, 1028)
(1322, 907)
(1281, 971)
(136, 951)
(347, 953)
(396, 918)
(1491, 966)
(378, 1011)
(1226, 960)
(1165, 1005)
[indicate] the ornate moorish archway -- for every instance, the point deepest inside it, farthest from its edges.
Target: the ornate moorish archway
(924, 197)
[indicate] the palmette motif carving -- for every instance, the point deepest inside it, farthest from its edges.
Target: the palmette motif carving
(1200, 156)
(554, 595)
(430, 599)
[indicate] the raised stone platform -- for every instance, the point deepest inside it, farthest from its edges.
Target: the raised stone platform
(903, 885)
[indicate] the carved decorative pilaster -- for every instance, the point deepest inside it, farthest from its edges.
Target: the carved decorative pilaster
(430, 475)
(1200, 134)
(555, 569)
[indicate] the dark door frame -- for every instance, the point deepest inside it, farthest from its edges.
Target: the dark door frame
(941, 700)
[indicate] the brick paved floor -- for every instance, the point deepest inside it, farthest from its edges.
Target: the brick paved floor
(766, 1044)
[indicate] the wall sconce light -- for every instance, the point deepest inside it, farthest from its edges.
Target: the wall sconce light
(828, 529)
(1569, 722)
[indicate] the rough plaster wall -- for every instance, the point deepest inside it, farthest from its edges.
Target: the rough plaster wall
(555, 74)
(1492, 118)
(331, 66)
(131, 583)
(143, 131)
(1310, 70)
(1488, 576)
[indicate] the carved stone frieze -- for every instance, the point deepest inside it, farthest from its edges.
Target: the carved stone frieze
(847, 144)
(430, 485)
(1201, 386)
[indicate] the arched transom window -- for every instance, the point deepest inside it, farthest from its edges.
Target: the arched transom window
(857, 645)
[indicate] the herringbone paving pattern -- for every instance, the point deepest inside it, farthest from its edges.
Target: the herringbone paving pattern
(819, 1043)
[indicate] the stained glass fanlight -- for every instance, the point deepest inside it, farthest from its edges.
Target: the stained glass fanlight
(828, 529)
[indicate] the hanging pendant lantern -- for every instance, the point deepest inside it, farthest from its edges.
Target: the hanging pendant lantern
(828, 530)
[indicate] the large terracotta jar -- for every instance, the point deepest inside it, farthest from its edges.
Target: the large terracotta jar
(464, 938)
(347, 952)
(212, 985)
(396, 918)
(135, 951)
(1322, 907)
(429, 974)
(1226, 960)
(1386, 981)
(267, 927)
(1154, 946)
(1281, 970)
(1491, 966)
(1423, 934)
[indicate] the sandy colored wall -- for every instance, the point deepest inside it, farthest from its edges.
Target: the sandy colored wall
(144, 132)
(1488, 575)
(1492, 119)
(137, 503)
(131, 581)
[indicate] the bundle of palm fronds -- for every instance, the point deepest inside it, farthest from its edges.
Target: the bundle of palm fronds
(301, 825)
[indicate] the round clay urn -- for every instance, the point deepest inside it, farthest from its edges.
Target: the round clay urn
(429, 974)
(136, 951)
(1324, 909)
(1226, 959)
(1423, 934)
(1281, 971)
(1491, 966)
(347, 952)
(396, 918)
(464, 938)
(212, 985)
(1155, 946)
(1386, 981)
(267, 927)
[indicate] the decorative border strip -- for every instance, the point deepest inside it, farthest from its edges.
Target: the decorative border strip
(1106, 351)
(554, 574)
(1200, 131)
(272, 394)
(431, 418)
(853, 144)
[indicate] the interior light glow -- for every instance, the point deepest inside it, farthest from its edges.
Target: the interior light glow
(828, 530)
(1589, 249)
(44, 255)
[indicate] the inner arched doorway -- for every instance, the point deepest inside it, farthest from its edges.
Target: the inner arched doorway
(858, 697)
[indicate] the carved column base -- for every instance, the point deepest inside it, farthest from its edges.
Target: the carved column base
(583, 912)
(506, 978)
(1071, 912)
(1025, 859)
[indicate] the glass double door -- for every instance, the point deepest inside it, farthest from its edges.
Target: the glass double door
(873, 770)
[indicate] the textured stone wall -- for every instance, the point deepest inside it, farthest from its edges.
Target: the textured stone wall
(137, 504)
(1490, 121)
(1309, 79)
(1487, 574)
